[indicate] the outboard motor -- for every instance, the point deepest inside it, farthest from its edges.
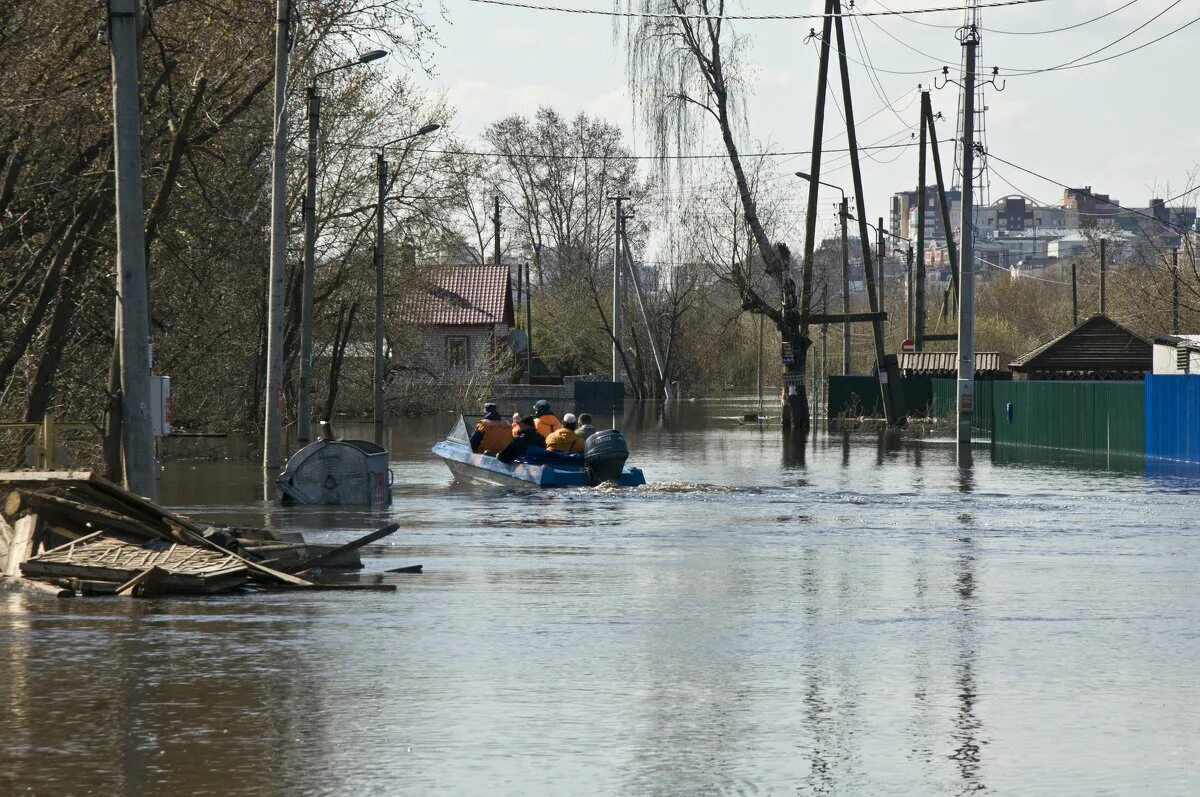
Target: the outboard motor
(604, 455)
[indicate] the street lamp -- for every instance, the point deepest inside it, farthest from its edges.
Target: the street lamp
(381, 199)
(843, 216)
(304, 411)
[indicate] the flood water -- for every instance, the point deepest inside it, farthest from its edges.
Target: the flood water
(856, 615)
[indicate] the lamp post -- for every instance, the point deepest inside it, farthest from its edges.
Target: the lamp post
(380, 410)
(843, 216)
(304, 411)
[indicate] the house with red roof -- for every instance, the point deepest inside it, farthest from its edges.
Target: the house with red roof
(467, 315)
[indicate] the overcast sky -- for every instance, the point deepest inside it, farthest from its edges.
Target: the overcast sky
(1127, 127)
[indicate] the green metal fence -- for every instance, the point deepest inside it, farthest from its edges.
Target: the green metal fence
(944, 405)
(1092, 417)
(858, 396)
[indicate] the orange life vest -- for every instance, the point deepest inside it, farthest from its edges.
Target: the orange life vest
(564, 440)
(496, 436)
(547, 424)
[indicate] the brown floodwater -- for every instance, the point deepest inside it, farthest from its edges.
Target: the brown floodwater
(858, 614)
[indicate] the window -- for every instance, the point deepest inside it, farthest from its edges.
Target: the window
(458, 352)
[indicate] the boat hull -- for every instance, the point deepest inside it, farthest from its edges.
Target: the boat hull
(468, 466)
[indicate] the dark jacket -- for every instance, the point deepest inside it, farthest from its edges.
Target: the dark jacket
(585, 430)
(525, 439)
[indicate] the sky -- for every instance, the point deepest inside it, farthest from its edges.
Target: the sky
(1129, 127)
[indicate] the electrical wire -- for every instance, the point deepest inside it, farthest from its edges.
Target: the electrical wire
(752, 17)
(1019, 32)
(1079, 63)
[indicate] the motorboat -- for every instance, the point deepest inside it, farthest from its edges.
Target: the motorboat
(603, 462)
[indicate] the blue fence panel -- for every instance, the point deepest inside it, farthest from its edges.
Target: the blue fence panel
(1173, 417)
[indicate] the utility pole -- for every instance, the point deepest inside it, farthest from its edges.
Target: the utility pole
(1175, 291)
(616, 289)
(882, 259)
(659, 363)
(276, 281)
(824, 397)
(133, 291)
(1074, 296)
(759, 373)
(966, 281)
(843, 213)
(380, 407)
(304, 411)
(496, 232)
(943, 201)
(888, 390)
(528, 326)
(908, 285)
(922, 203)
(1103, 274)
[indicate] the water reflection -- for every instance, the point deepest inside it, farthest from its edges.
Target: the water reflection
(869, 614)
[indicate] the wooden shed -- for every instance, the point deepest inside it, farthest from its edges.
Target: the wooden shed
(944, 364)
(1099, 348)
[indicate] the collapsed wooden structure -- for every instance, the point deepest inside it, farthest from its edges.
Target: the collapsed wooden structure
(73, 532)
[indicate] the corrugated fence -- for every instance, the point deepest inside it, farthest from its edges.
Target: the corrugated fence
(1172, 417)
(857, 396)
(945, 404)
(1092, 417)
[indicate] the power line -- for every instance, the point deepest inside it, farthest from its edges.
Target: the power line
(1018, 32)
(1119, 206)
(752, 17)
(1075, 63)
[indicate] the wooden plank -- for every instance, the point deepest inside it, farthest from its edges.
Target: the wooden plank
(945, 337)
(353, 545)
(149, 574)
(40, 476)
(21, 545)
(21, 499)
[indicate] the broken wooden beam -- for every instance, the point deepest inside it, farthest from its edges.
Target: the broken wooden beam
(936, 338)
(353, 545)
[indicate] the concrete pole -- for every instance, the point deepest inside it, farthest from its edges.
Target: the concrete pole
(380, 407)
(1103, 274)
(843, 214)
(133, 292)
(922, 201)
(304, 411)
(966, 277)
(276, 281)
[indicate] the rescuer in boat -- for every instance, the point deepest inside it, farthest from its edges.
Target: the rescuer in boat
(516, 423)
(565, 439)
(527, 438)
(492, 433)
(544, 420)
(585, 428)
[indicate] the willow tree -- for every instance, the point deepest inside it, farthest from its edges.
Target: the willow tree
(683, 71)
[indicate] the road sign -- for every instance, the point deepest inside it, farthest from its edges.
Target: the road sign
(908, 346)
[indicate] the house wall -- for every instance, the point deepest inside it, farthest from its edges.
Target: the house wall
(1164, 359)
(479, 338)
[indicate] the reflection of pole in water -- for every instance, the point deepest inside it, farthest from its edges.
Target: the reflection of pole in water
(967, 726)
(966, 468)
(794, 450)
(845, 448)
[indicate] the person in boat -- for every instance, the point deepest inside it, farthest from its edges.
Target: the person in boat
(585, 429)
(544, 420)
(492, 433)
(565, 439)
(527, 438)
(516, 423)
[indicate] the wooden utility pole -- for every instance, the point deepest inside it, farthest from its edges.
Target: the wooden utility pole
(1175, 291)
(616, 288)
(659, 363)
(380, 407)
(277, 276)
(496, 231)
(943, 203)
(922, 203)
(889, 383)
(908, 286)
(966, 282)
(133, 291)
(1103, 275)
(304, 409)
(881, 248)
(814, 180)
(1074, 296)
